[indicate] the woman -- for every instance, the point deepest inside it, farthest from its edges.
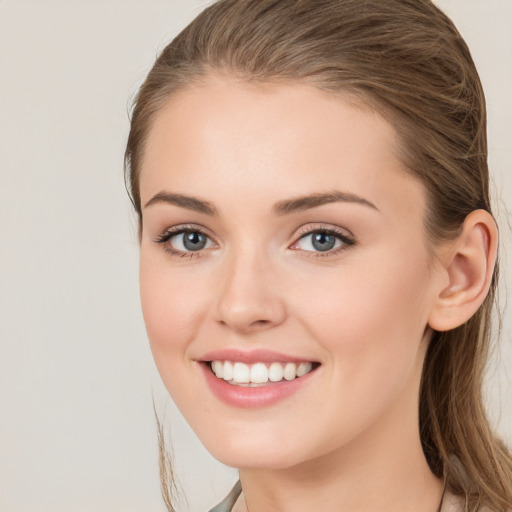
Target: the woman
(318, 253)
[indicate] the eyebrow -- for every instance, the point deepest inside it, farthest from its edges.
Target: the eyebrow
(302, 203)
(284, 207)
(188, 202)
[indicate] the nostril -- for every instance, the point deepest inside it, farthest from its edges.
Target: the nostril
(247, 326)
(261, 322)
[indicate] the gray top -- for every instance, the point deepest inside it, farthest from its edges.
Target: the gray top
(228, 502)
(449, 503)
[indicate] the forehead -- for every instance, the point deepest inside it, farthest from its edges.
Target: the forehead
(227, 137)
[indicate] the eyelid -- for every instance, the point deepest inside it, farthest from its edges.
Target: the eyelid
(170, 232)
(346, 237)
(180, 228)
(319, 226)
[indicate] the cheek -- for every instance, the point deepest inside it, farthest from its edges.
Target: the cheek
(370, 319)
(173, 306)
(370, 327)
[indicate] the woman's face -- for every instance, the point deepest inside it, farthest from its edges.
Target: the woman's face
(282, 236)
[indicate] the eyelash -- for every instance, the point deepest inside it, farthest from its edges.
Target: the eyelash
(347, 241)
(179, 230)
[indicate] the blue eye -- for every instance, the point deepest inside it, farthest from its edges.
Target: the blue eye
(185, 241)
(190, 241)
(323, 241)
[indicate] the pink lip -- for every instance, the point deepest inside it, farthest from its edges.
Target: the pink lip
(252, 397)
(251, 356)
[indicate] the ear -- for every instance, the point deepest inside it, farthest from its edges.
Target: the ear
(467, 266)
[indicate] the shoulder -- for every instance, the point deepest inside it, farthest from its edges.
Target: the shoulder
(455, 503)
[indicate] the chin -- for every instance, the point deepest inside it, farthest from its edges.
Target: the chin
(256, 459)
(249, 453)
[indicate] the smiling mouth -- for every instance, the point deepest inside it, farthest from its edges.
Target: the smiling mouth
(260, 373)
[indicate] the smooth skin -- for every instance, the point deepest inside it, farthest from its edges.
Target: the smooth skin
(349, 438)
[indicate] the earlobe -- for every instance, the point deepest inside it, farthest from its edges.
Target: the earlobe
(468, 267)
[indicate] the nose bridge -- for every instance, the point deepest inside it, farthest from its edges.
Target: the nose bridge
(249, 298)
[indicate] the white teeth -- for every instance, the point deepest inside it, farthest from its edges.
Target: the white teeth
(304, 368)
(290, 371)
(227, 371)
(258, 373)
(275, 372)
(217, 368)
(241, 373)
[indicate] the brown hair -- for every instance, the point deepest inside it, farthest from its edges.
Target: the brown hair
(405, 59)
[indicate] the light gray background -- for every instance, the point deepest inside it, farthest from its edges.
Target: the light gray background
(76, 377)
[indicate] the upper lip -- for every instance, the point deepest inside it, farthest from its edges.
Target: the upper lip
(251, 356)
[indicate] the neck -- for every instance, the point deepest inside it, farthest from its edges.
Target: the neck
(374, 489)
(383, 469)
(388, 481)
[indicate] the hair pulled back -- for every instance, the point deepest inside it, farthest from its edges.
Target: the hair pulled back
(406, 60)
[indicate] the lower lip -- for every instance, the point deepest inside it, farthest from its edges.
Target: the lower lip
(252, 397)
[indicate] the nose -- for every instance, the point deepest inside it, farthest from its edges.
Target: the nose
(249, 297)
